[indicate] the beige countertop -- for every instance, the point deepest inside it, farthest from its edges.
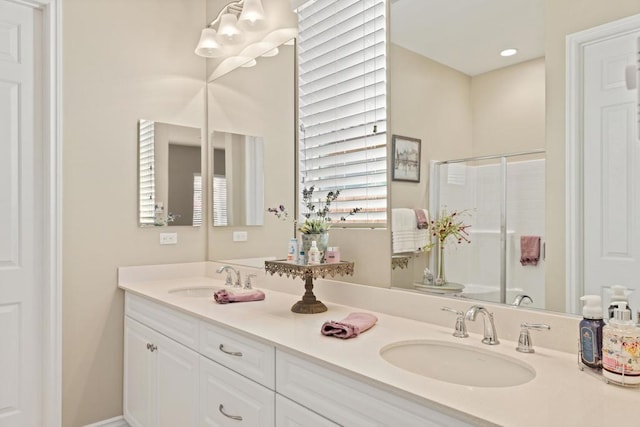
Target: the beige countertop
(559, 395)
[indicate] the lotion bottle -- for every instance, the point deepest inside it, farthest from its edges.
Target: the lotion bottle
(621, 348)
(591, 331)
(314, 253)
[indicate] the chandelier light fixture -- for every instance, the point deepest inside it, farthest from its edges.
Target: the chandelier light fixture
(243, 31)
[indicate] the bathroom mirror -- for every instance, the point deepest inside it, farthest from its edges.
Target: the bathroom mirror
(429, 101)
(238, 179)
(487, 104)
(169, 174)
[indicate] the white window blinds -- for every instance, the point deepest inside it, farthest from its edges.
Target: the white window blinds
(342, 99)
(146, 172)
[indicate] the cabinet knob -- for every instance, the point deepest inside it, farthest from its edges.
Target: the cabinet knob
(233, 417)
(151, 347)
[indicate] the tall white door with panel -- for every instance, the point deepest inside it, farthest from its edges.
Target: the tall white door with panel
(21, 232)
(611, 169)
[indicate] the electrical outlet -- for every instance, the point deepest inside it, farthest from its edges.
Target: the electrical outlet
(168, 238)
(240, 236)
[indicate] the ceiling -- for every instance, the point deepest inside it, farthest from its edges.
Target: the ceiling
(468, 35)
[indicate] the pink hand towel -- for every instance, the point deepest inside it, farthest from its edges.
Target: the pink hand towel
(421, 219)
(223, 296)
(349, 327)
(529, 250)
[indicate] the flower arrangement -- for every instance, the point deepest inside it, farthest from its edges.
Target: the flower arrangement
(317, 219)
(450, 224)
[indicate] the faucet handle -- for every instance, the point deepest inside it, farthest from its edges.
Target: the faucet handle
(461, 326)
(524, 340)
(247, 281)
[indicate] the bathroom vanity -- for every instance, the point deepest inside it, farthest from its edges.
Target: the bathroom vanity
(190, 361)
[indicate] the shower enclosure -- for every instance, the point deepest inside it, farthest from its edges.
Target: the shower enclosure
(502, 198)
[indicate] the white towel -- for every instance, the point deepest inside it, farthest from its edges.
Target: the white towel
(405, 235)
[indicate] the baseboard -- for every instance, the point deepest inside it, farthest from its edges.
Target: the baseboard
(112, 422)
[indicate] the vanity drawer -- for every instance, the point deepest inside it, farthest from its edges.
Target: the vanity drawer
(229, 399)
(250, 358)
(174, 324)
(347, 401)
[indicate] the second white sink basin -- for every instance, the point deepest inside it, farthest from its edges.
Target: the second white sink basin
(458, 363)
(197, 292)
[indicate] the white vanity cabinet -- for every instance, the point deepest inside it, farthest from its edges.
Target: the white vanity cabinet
(229, 399)
(160, 379)
(290, 414)
(183, 371)
(351, 402)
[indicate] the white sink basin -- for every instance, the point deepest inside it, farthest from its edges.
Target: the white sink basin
(199, 292)
(458, 363)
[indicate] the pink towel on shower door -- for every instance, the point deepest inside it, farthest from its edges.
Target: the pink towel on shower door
(349, 327)
(529, 250)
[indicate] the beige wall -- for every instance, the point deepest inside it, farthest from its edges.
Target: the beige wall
(563, 18)
(122, 60)
(259, 101)
(509, 109)
(431, 102)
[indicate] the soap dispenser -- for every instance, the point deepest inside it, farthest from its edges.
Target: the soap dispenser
(591, 332)
(618, 294)
(314, 253)
(621, 348)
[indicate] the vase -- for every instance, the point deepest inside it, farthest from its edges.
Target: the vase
(441, 278)
(321, 239)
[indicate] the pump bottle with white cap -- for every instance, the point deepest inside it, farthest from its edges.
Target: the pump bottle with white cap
(591, 332)
(621, 348)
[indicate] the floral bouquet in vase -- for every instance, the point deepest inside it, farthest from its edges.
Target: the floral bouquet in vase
(448, 225)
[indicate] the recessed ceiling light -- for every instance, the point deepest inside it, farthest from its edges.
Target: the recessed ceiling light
(508, 52)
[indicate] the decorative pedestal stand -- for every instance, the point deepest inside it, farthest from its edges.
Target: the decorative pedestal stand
(309, 304)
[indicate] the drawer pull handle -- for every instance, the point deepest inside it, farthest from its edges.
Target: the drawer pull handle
(151, 347)
(233, 417)
(232, 353)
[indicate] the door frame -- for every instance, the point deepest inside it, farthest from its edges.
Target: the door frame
(574, 154)
(51, 151)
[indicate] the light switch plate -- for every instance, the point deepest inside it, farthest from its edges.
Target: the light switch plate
(240, 236)
(168, 238)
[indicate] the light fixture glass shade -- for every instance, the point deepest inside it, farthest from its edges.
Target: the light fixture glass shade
(250, 63)
(228, 31)
(270, 53)
(252, 16)
(208, 46)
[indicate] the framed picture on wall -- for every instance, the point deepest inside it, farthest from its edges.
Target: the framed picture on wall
(406, 159)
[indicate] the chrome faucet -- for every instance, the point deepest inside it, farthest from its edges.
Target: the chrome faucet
(229, 281)
(490, 334)
(520, 299)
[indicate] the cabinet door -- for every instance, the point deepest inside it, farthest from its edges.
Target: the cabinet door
(177, 383)
(139, 378)
(161, 380)
(290, 414)
(229, 399)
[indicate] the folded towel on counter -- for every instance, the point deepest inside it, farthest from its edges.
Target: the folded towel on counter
(223, 296)
(529, 250)
(349, 327)
(422, 218)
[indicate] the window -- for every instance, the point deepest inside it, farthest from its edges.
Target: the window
(146, 172)
(342, 105)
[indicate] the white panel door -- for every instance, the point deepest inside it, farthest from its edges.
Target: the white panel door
(20, 220)
(611, 167)
(139, 375)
